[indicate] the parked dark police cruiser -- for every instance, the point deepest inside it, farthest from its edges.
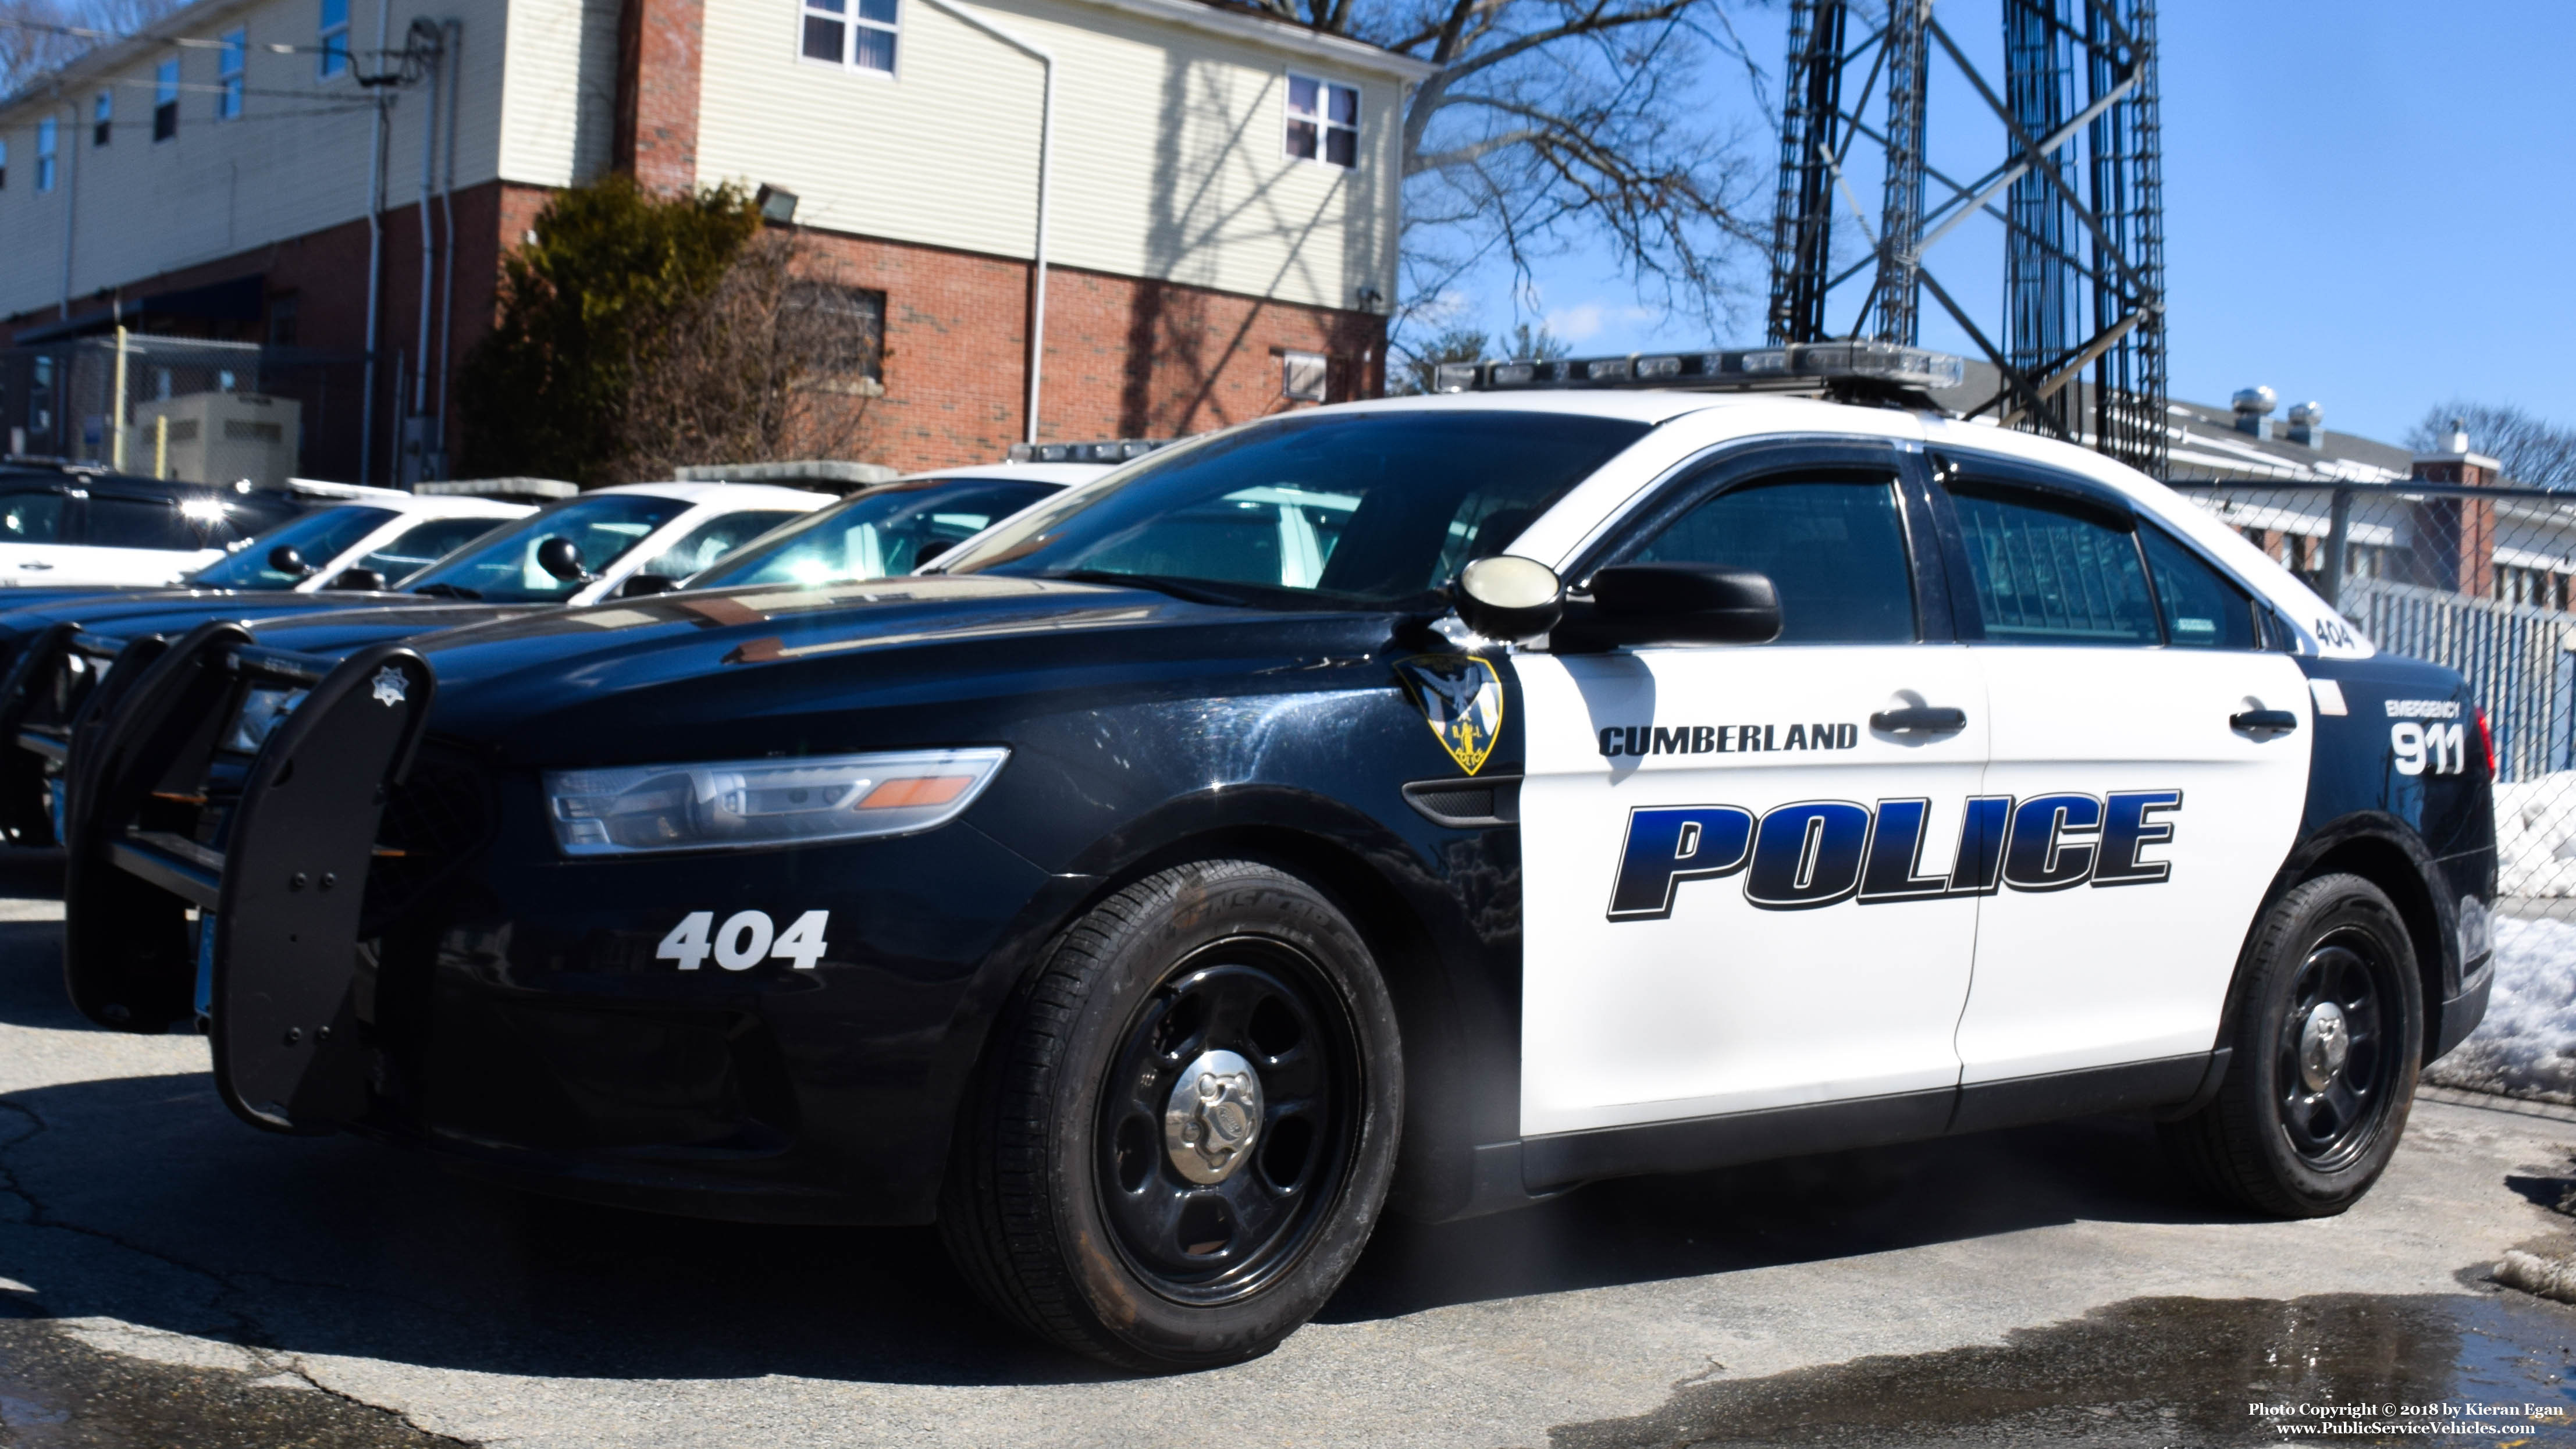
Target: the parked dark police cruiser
(1609, 767)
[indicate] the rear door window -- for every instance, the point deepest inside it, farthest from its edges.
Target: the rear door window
(2051, 570)
(32, 516)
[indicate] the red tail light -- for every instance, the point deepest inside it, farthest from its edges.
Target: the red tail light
(2486, 738)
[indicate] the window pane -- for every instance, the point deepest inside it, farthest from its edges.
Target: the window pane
(1341, 147)
(601, 526)
(847, 327)
(1835, 550)
(31, 517)
(880, 11)
(714, 539)
(141, 523)
(1301, 140)
(872, 49)
(1361, 509)
(875, 534)
(1346, 105)
(1301, 96)
(334, 13)
(2048, 576)
(425, 544)
(320, 536)
(823, 38)
(2202, 609)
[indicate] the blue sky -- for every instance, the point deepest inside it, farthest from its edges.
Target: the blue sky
(2368, 203)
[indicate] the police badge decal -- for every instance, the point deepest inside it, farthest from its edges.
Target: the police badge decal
(1461, 699)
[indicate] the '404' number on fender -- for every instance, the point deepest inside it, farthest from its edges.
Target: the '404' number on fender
(746, 939)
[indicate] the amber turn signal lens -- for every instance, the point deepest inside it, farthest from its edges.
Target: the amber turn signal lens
(920, 790)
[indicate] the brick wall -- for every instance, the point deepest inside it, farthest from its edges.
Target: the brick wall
(660, 45)
(1125, 356)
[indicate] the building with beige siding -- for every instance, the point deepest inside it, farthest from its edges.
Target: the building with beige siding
(326, 187)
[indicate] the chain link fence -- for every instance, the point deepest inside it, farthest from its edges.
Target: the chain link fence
(203, 411)
(2482, 580)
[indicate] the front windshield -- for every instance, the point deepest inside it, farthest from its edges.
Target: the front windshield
(1365, 509)
(504, 567)
(876, 534)
(319, 536)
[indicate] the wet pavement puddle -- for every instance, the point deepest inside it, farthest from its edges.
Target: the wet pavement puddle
(57, 1392)
(2168, 1372)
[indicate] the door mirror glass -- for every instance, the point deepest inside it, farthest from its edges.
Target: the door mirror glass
(1504, 597)
(358, 578)
(286, 560)
(1673, 603)
(562, 558)
(643, 584)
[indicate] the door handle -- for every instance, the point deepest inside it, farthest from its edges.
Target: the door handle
(1930, 719)
(2263, 721)
(35, 563)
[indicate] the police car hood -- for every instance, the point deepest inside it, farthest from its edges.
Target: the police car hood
(728, 671)
(171, 611)
(335, 634)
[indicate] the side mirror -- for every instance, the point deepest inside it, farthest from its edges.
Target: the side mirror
(639, 585)
(1506, 597)
(367, 579)
(1672, 603)
(931, 549)
(561, 557)
(286, 560)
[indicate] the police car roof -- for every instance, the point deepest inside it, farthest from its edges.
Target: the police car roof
(1062, 474)
(746, 495)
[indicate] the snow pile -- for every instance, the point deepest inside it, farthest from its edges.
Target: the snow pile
(2526, 1047)
(2536, 836)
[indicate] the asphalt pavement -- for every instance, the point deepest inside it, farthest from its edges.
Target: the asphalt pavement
(169, 1276)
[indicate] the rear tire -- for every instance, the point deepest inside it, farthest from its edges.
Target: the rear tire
(1186, 1124)
(2327, 1042)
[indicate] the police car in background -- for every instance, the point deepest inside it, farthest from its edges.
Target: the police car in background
(75, 525)
(1430, 803)
(356, 545)
(886, 529)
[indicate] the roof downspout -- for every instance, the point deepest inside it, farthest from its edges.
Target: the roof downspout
(449, 48)
(375, 253)
(1046, 165)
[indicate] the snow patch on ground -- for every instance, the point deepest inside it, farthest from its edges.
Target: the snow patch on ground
(2527, 1044)
(2536, 836)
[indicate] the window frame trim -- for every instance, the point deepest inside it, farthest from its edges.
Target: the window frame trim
(346, 30)
(1741, 461)
(1288, 117)
(49, 144)
(850, 21)
(232, 87)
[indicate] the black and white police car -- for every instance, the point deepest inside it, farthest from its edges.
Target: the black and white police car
(1425, 804)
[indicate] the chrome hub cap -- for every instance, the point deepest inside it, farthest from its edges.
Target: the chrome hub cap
(1213, 1117)
(2325, 1041)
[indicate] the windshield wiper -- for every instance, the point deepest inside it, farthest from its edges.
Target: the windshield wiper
(448, 591)
(1193, 592)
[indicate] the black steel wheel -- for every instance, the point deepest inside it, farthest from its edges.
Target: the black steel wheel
(1226, 1121)
(2323, 1055)
(1185, 1125)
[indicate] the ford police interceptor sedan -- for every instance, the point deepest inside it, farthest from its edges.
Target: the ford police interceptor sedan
(1428, 803)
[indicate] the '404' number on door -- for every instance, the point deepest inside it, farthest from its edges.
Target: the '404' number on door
(746, 939)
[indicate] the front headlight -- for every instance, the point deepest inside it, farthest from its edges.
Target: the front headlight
(763, 802)
(262, 711)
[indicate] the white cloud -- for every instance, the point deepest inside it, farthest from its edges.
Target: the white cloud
(1574, 324)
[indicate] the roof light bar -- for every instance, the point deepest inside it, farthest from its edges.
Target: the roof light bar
(1799, 365)
(1107, 450)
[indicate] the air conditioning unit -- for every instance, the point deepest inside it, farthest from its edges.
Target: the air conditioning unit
(217, 437)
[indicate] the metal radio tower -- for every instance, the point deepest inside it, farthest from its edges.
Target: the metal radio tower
(2079, 191)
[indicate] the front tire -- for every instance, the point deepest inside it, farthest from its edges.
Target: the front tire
(1186, 1123)
(2327, 1043)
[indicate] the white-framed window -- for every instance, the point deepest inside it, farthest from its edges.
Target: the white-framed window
(859, 34)
(47, 136)
(102, 118)
(1304, 376)
(1323, 121)
(165, 99)
(233, 58)
(333, 36)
